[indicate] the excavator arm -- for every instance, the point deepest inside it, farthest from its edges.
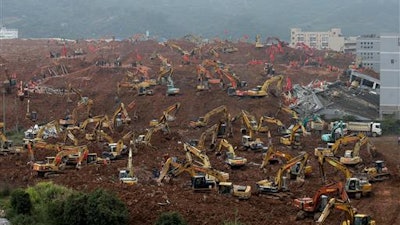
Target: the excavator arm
(205, 161)
(203, 121)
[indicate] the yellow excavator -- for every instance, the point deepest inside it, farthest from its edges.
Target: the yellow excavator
(231, 159)
(54, 165)
(127, 176)
(145, 139)
(203, 121)
(168, 115)
(354, 186)
(271, 157)
(279, 183)
(251, 127)
(120, 116)
(352, 157)
(262, 91)
(267, 119)
(293, 139)
(117, 150)
(200, 143)
(332, 148)
(7, 145)
(353, 217)
(142, 88)
(204, 179)
(191, 150)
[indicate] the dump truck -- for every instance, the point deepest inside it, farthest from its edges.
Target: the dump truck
(369, 128)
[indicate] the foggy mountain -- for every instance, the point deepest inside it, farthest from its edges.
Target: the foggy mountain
(234, 19)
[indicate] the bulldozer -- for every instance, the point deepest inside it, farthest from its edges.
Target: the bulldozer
(379, 172)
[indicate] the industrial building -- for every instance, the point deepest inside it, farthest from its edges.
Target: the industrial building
(8, 33)
(331, 39)
(367, 50)
(390, 75)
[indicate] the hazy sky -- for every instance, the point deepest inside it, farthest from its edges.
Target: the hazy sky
(209, 18)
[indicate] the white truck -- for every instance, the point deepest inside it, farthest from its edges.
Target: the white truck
(369, 128)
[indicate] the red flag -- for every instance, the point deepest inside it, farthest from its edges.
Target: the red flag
(289, 86)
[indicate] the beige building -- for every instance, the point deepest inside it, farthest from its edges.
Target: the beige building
(331, 39)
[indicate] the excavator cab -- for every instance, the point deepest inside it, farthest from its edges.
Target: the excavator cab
(201, 183)
(362, 219)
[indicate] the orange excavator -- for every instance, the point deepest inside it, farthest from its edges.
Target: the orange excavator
(312, 207)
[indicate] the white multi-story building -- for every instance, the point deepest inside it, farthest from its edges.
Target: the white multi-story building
(331, 39)
(368, 47)
(8, 33)
(390, 75)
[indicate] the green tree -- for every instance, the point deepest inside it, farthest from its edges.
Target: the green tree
(74, 210)
(21, 202)
(105, 208)
(170, 218)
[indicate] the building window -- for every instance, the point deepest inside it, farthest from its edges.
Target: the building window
(392, 61)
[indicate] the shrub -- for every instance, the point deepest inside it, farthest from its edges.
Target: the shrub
(21, 202)
(170, 218)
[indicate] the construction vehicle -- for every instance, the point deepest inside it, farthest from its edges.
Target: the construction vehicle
(267, 119)
(54, 165)
(251, 127)
(271, 157)
(7, 145)
(292, 139)
(171, 89)
(352, 157)
(231, 159)
(262, 91)
(312, 207)
(50, 129)
(127, 176)
(203, 178)
(142, 88)
(259, 44)
(200, 143)
(353, 218)
(234, 80)
(337, 131)
(291, 112)
(354, 186)
(168, 115)
(379, 172)
(368, 128)
(120, 116)
(203, 121)
(300, 170)
(117, 150)
(279, 183)
(191, 150)
(332, 148)
(145, 139)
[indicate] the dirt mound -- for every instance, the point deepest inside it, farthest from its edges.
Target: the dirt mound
(30, 60)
